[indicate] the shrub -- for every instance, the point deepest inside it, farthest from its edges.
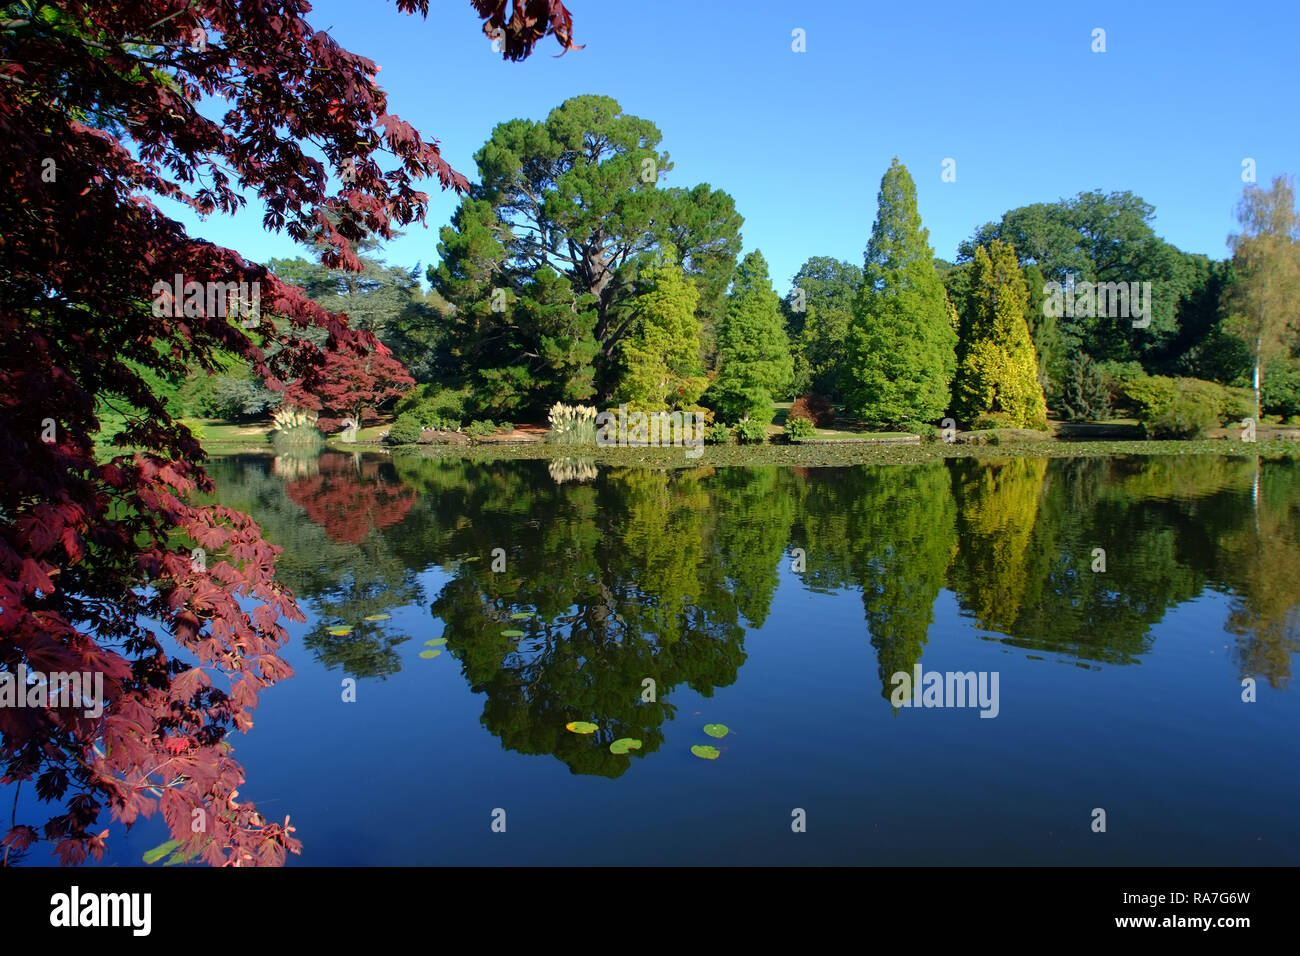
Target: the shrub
(435, 406)
(1188, 416)
(572, 424)
(1148, 393)
(1186, 407)
(718, 434)
(437, 422)
(751, 431)
(927, 431)
(405, 430)
(1281, 389)
(481, 428)
(797, 429)
(993, 420)
(1236, 403)
(1176, 407)
(813, 408)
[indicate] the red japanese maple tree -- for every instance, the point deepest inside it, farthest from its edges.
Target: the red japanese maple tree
(99, 110)
(349, 383)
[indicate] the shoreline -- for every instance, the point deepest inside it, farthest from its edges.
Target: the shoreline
(828, 454)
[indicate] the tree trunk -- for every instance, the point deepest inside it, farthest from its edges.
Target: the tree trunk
(1259, 361)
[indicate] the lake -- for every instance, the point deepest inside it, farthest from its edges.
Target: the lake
(1132, 622)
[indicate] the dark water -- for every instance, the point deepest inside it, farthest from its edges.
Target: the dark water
(1119, 689)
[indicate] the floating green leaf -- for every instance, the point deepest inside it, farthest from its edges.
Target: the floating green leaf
(521, 615)
(474, 558)
(717, 730)
(512, 633)
(342, 631)
(581, 727)
(429, 654)
(705, 751)
(436, 642)
(624, 744)
(158, 852)
(378, 617)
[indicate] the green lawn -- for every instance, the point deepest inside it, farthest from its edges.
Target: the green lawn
(213, 431)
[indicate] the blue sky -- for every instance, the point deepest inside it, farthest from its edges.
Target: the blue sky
(1011, 91)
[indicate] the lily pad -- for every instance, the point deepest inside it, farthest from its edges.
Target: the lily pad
(521, 615)
(429, 654)
(624, 744)
(436, 642)
(474, 558)
(717, 730)
(342, 631)
(377, 617)
(581, 727)
(158, 852)
(512, 633)
(705, 751)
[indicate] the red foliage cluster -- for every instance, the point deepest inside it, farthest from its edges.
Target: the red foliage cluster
(349, 501)
(99, 110)
(815, 408)
(348, 384)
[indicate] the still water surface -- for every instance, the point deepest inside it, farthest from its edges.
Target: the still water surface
(1119, 689)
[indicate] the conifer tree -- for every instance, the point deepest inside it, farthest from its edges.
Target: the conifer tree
(998, 368)
(661, 355)
(754, 360)
(901, 345)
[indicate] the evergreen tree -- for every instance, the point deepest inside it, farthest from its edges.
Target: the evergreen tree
(901, 355)
(382, 299)
(1044, 331)
(579, 193)
(520, 341)
(998, 368)
(754, 362)
(661, 355)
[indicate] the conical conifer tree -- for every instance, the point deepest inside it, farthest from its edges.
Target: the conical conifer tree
(901, 350)
(754, 359)
(997, 366)
(661, 356)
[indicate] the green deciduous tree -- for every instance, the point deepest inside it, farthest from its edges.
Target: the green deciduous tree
(1266, 253)
(754, 361)
(1099, 237)
(901, 346)
(819, 311)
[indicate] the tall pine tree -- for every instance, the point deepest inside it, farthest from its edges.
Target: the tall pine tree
(901, 349)
(519, 341)
(754, 361)
(997, 367)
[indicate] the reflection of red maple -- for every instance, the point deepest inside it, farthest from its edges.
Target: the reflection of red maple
(350, 500)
